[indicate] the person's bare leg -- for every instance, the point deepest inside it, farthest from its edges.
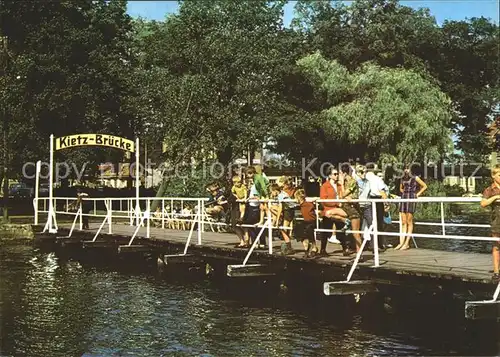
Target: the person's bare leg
(339, 218)
(314, 248)
(247, 237)
(356, 225)
(242, 211)
(334, 230)
(284, 232)
(496, 255)
(263, 210)
(240, 233)
(402, 217)
(409, 231)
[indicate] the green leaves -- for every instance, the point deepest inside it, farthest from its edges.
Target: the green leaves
(221, 64)
(222, 77)
(67, 74)
(393, 111)
(460, 56)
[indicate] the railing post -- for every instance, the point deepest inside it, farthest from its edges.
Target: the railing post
(316, 211)
(172, 213)
(35, 205)
(95, 207)
(148, 223)
(375, 234)
(200, 219)
(202, 216)
(81, 215)
(496, 293)
(270, 227)
(162, 213)
(443, 227)
(110, 214)
(130, 211)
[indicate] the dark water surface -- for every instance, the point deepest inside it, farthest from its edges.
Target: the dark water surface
(52, 306)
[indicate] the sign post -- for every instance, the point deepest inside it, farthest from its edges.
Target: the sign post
(51, 224)
(70, 141)
(137, 183)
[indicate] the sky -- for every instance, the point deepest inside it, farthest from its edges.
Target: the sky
(441, 9)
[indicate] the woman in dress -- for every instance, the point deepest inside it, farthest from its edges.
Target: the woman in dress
(411, 187)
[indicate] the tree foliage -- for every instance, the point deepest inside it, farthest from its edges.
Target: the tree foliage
(393, 111)
(222, 65)
(67, 74)
(461, 55)
(220, 78)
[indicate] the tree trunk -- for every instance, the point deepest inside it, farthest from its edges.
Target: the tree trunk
(251, 156)
(160, 193)
(224, 157)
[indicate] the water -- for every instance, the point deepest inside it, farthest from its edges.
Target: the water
(54, 306)
(453, 244)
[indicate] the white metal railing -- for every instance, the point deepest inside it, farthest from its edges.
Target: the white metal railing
(376, 232)
(171, 212)
(181, 212)
(114, 210)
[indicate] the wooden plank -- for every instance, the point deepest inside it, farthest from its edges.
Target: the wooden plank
(61, 238)
(238, 271)
(349, 287)
(134, 248)
(99, 244)
(419, 262)
(69, 242)
(170, 259)
(482, 310)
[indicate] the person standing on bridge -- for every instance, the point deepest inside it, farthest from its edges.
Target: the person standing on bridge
(491, 197)
(411, 187)
(84, 205)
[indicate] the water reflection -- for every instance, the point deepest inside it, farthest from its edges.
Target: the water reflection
(453, 244)
(55, 307)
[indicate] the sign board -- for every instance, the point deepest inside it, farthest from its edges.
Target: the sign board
(117, 142)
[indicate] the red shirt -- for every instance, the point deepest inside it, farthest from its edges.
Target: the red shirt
(308, 211)
(327, 192)
(489, 192)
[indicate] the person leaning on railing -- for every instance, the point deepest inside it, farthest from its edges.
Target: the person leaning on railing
(491, 197)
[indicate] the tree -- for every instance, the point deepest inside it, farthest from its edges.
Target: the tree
(461, 55)
(379, 111)
(68, 75)
(469, 73)
(221, 66)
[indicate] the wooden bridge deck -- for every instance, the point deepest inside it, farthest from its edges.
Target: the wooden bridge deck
(443, 265)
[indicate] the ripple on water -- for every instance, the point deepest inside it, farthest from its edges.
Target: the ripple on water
(51, 307)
